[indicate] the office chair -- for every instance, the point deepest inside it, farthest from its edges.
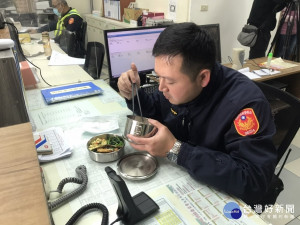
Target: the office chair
(73, 43)
(286, 112)
(94, 59)
(83, 35)
(67, 42)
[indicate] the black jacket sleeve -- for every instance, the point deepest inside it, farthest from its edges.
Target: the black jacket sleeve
(245, 165)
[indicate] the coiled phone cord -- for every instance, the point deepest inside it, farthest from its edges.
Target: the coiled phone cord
(82, 180)
(89, 207)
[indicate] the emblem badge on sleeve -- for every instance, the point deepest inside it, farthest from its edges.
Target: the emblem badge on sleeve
(246, 122)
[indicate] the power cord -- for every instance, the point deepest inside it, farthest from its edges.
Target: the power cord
(89, 208)
(21, 51)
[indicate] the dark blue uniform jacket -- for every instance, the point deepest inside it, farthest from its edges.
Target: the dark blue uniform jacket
(213, 151)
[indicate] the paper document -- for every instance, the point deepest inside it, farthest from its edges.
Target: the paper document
(59, 144)
(58, 59)
(255, 74)
(265, 72)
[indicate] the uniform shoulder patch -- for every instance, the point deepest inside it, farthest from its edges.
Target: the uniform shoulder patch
(71, 20)
(246, 122)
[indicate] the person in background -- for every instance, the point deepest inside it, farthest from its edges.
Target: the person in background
(263, 16)
(69, 19)
(210, 119)
(287, 39)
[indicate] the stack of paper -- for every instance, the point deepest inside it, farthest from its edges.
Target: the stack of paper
(60, 146)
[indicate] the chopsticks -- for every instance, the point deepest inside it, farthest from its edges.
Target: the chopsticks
(134, 87)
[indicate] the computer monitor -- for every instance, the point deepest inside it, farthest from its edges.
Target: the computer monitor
(124, 46)
(214, 31)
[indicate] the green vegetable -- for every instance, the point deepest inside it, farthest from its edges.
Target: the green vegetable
(115, 141)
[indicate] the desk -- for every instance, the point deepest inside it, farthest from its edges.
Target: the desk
(21, 191)
(54, 75)
(289, 76)
(172, 188)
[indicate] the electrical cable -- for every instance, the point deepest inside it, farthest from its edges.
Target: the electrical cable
(22, 53)
(82, 180)
(90, 207)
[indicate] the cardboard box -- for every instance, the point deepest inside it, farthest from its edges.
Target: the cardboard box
(132, 14)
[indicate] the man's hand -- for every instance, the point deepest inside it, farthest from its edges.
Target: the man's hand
(157, 145)
(126, 79)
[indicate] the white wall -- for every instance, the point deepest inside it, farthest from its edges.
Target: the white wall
(182, 7)
(82, 6)
(230, 14)
(156, 6)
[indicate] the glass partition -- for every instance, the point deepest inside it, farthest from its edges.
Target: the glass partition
(29, 13)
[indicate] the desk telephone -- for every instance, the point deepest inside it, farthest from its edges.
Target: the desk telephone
(130, 211)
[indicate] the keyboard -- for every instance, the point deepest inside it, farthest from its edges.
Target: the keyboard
(150, 88)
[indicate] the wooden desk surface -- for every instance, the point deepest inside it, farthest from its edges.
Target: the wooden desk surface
(22, 194)
(4, 33)
(253, 65)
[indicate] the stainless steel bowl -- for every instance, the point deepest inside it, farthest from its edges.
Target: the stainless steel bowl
(138, 126)
(105, 157)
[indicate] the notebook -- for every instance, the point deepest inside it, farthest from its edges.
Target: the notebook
(68, 92)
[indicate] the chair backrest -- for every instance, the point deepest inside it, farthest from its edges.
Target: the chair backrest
(73, 43)
(286, 111)
(94, 59)
(67, 42)
(83, 34)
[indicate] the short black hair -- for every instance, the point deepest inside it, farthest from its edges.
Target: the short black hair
(195, 45)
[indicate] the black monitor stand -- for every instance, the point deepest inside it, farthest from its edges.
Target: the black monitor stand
(130, 209)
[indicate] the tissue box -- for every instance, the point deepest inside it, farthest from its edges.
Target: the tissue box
(42, 145)
(132, 14)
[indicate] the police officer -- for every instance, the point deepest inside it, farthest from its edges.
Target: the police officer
(211, 120)
(263, 16)
(69, 19)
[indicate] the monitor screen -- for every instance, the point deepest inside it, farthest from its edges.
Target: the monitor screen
(214, 31)
(124, 46)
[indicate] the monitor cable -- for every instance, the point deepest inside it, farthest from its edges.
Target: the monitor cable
(22, 53)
